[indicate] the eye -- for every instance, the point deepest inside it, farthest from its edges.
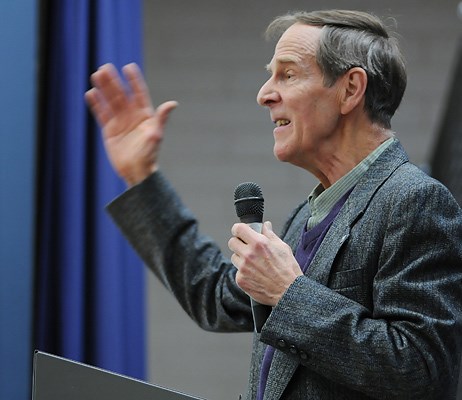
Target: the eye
(289, 74)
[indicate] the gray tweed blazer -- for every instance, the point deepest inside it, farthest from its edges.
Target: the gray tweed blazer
(378, 314)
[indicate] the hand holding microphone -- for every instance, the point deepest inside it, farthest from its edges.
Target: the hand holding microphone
(266, 265)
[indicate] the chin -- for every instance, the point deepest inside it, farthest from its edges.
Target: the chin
(280, 154)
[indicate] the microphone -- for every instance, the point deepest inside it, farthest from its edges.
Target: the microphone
(249, 204)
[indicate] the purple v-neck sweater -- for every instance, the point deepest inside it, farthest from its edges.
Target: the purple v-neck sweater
(306, 250)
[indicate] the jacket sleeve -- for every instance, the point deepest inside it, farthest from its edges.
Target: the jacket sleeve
(191, 266)
(407, 342)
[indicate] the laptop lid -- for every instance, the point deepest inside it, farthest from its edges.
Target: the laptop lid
(58, 378)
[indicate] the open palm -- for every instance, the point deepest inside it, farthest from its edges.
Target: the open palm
(132, 128)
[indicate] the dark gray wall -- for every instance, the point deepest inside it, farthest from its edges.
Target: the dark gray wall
(210, 56)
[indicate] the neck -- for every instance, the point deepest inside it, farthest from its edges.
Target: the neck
(347, 149)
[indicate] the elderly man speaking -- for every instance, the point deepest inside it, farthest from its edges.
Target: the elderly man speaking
(365, 281)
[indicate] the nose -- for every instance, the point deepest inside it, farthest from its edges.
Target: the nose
(268, 95)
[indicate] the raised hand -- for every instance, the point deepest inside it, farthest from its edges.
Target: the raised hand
(132, 128)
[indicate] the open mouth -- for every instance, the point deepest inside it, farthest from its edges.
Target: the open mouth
(282, 122)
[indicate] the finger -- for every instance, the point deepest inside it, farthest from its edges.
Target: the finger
(137, 84)
(98, 106)
(236, 261)
(244, 232)
(110, 87)
(236, 245)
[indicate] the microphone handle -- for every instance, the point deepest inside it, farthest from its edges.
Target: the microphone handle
(260, 312)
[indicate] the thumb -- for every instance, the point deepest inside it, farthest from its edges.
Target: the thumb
(267, 229)
(164, 110)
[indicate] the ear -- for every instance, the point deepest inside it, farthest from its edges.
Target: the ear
(354, 89)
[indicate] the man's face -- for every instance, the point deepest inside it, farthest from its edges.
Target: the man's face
(306, 112)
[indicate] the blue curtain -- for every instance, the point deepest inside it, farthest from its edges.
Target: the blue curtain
(90, 290)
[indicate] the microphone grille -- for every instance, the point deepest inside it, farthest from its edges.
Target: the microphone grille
(247, 189)
(248, 200)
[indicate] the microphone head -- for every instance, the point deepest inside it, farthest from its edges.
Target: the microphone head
(249, 203)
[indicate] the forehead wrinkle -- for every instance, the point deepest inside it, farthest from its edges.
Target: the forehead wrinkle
(297, 45)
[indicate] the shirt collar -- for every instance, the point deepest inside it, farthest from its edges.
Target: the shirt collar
(322, 200)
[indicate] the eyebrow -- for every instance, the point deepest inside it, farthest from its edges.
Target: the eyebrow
(283, 60)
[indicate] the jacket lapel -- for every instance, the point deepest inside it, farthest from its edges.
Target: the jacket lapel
(281, 371)
(362, 194)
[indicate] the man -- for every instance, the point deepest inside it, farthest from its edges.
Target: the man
(365, 283)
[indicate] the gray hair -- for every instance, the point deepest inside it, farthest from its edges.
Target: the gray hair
(355, 39)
